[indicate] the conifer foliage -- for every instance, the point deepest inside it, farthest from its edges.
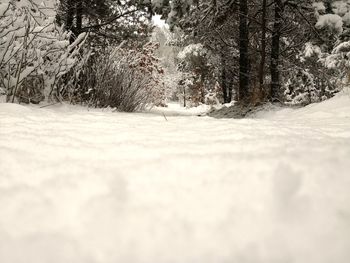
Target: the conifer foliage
(111, 20)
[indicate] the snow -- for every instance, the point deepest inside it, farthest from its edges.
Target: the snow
(311, 50)
(346, 19)
(3, 8)
(319, 6)
(340, 7)
(97, 186)
(192, 49)
(175, 109)
(158, 21)
(331, 21)
(342, 47)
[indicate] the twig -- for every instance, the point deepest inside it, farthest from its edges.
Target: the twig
(50, 105)
(165, 116)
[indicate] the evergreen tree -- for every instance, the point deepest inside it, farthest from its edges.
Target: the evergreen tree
(111, 20)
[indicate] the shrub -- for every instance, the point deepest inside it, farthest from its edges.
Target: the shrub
(128, 80)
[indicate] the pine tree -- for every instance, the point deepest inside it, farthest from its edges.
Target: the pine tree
(275, 49)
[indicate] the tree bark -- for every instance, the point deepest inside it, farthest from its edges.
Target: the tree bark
(244, 94)
(263, 46)
(275, 51)
(224, 79)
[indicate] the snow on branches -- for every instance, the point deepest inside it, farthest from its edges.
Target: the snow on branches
(331, 21)
(34, 52)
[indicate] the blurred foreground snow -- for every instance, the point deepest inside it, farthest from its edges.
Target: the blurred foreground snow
(80, 186)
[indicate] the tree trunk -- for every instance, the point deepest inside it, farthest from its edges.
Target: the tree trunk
(244, 94)
(263, 46)
(230, 88)
(224, 79)
(202, 88)
(184, 92)
(275, 51)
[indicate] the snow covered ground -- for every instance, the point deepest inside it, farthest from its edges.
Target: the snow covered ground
(79, 186)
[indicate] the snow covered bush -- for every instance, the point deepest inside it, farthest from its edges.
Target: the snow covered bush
(301, 88)
(34, 52)
(338, 60)
(313, 82)
(121, 78)
(321, 64)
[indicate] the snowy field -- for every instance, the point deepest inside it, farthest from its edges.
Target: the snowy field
(79, 186)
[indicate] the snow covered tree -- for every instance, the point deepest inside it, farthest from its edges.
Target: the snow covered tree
(195, 59)
(167, 53)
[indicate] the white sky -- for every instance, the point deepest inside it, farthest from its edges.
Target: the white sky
(158, 21)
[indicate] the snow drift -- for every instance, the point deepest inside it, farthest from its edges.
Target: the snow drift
(92, 186)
